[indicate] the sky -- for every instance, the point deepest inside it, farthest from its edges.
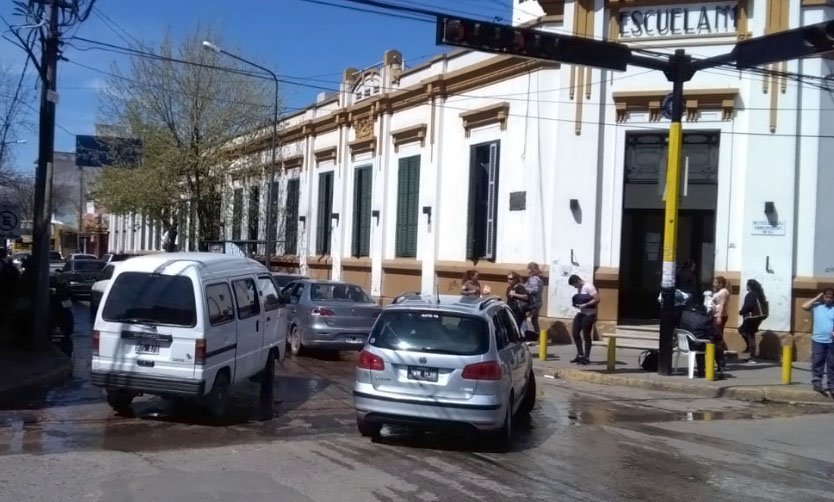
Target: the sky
(304, 39)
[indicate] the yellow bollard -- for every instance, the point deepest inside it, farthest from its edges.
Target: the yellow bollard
(612, 353)
(709, 362)
(787, 361)
(543, 345)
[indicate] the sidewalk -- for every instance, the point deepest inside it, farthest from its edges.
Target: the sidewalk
(759, 382)
(25, 372)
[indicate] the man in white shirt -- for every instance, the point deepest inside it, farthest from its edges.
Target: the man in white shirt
(586, 301)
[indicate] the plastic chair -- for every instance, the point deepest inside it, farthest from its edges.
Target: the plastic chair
(684, 337)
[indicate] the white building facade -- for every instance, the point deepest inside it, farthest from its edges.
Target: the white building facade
(408, 177)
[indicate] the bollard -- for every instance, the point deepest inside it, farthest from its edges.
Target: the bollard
(709, 362)
(612, 353)
(787, 360)
(543, 345)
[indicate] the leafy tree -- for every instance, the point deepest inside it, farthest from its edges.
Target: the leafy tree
(191, 119)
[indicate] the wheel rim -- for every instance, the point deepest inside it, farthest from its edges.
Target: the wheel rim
(295, 341)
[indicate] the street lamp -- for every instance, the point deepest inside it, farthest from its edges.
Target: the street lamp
(270, 224)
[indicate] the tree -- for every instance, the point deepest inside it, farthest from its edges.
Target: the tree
(190, 119)
(14, 95)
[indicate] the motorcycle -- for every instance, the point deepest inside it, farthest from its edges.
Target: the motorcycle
(62, 321)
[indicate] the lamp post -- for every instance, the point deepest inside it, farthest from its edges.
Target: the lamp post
(270, 216)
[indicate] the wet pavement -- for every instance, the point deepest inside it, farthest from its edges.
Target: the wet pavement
(582, 442)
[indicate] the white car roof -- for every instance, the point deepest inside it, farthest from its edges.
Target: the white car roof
(208, 264)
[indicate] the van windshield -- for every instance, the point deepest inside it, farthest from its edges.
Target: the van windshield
(141, 297)
(431, 332)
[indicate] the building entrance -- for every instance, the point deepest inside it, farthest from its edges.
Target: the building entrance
(641, 250)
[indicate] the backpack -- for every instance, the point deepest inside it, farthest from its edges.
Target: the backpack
(648, 360)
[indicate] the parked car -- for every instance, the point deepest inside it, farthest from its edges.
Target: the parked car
(55, 257)
(82, 256)
(189, 325)
(80, 275)
(98, 288)
(111, 257)
(328, 315)
(282, 279)
(444, 361)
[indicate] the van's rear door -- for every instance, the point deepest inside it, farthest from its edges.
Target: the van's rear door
(148, 325)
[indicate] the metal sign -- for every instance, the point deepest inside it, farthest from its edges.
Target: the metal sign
(666, 106)
(9, 222)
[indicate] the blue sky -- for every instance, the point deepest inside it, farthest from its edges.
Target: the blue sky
(293, 37)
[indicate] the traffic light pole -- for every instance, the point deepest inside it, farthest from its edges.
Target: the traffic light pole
(679, 71)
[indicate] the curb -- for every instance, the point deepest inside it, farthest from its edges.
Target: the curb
(757, 393)
(53, 376)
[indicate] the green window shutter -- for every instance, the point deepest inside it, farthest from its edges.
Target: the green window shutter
(361, 239)
(237, 213)
(325, 208)
(472, 251)
(408, 194)
(254, 212)
(291, 218)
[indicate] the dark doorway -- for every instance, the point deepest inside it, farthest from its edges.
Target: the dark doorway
(641, 250)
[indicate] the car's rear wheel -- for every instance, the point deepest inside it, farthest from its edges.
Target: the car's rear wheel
(218, 398)
(120, 401)
(296, 347)
(368, 429)
(529, 395)
(504, 435)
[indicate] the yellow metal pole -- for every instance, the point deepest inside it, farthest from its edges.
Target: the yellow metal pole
(787, 361)
(543, 345)
(709, 362)
(612, 353)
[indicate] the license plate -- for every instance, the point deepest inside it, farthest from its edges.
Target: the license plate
(422, 374)
(355, 339)
(66, 304)
(147, 348)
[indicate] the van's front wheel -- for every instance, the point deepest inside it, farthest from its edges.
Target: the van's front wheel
(120, 401)
(218, 398)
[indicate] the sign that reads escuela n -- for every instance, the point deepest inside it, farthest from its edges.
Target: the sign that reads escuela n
(697, 19)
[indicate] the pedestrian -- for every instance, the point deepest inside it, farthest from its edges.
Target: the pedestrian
(586, 300)
(535, 287)
(687, 279)
(517, 297)
(822, 339)
(701, 324)
(720, 302)
(753, 311)
(469, 285)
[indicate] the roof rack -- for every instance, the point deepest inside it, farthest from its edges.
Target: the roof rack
(485, 302)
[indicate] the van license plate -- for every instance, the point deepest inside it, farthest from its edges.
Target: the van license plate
(147, 348)
(422, 374)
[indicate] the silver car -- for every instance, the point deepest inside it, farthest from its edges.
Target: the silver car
(328, 315)
(437, 362)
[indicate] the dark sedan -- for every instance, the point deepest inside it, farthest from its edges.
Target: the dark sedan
(80, 275)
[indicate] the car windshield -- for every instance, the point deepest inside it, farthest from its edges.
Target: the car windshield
(283, 280)
(432, 332)
(84, 257)
(338, 292)
(145, 298)
(88, 266)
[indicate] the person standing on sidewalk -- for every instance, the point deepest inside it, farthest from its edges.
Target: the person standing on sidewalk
(516, 297)
(470, 285)
(586, 301)
(534, 287)
(753, 312)
(822, 351)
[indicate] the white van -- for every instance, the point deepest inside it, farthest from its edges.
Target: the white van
(186, 325)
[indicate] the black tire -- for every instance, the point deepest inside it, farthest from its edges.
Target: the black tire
(504, 435)
(268, 373)
(296, 345)
(218, 398)
(529, 395)
(368, 429)
(120, 401)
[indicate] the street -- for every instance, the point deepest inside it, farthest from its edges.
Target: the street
(583, 442)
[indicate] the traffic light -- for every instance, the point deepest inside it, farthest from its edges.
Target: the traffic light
(526, 42)
(792, 44)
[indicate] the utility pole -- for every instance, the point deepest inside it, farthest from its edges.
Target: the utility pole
(42, 223)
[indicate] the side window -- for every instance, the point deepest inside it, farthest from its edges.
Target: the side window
(106, 273)
(513, 333)
(270, 294)
(501, 336)
(295, 294)
(219, 303)
(246, 297)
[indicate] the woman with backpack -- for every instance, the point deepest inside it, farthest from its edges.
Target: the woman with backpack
(753, 311)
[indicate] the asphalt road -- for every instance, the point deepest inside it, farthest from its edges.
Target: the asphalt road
(583, 442)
